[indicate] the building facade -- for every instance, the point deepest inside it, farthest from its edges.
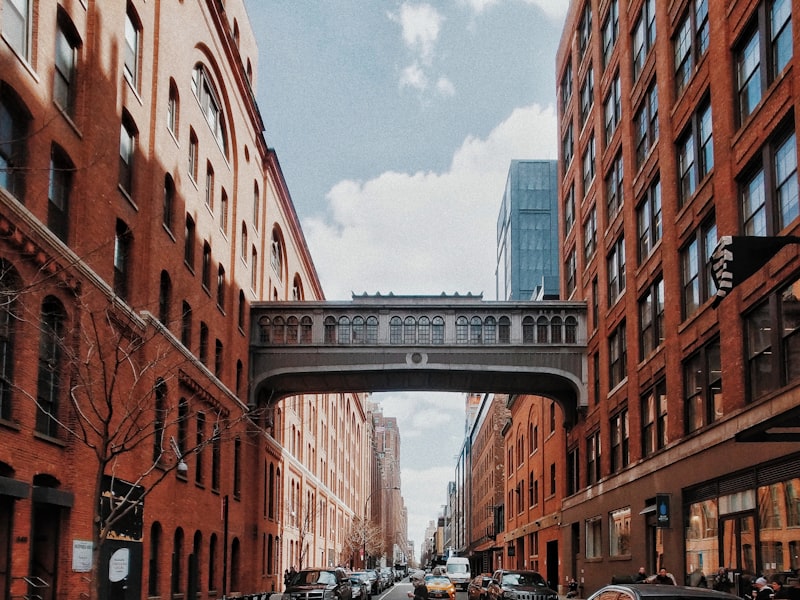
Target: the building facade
(527, 232)
(677, 127)
(141, 212)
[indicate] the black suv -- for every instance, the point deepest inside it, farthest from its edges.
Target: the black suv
(319, 584)
(519, 585)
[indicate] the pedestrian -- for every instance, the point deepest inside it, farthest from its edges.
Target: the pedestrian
(641, 576)
(420, 589)
(781, 592)
(662, 577)
(762, 591)
(722, 581)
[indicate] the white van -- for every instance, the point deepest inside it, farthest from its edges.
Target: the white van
(458, 571)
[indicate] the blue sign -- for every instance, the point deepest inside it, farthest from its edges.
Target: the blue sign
(662, 510)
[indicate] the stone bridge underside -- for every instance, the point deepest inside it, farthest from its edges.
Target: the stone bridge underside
(420, 343)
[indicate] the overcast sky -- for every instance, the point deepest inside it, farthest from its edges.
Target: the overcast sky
(395, 124)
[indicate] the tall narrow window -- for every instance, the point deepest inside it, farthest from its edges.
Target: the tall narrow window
(10, 287)
(123, 242)
(648, 220)
(219, 357)
(620, 446)
(616, 271)
(221, 287)
(61, 173)
(193, 155)
(276, 254)
(188, 243)
(702, 385)
(206, 272)
(617, 355)
(207, 97)
(698, 285)
(610, 31)
(237, 468)
(132, 47)
(17, 26)
(186, 325)
(654, 419)
(173, 108)
(644, 36)
(14, 121)
(651, 318)
(168, 207)
(223, 211)
(67, 43)
(51, 357)
(127, 148)
(256, 205)
(159, 420)
(164, 298)
(203, 354)
(210, 186)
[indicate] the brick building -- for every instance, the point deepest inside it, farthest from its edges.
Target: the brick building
(141, 212)
(677, 127)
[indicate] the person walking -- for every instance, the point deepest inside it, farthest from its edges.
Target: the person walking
(420, 589)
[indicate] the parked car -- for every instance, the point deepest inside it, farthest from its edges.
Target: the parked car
(651, 591)
(478, 587)
(519, 585)
(319, 584)
(368, 582)
(440, 586)
(387, 573)
(380, 581)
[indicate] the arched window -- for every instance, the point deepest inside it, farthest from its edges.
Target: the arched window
(51, 356)
(462, 330)
(188, 243)
(297, 288)
(424, 330)
(206, 268)
(359, 333)
(330, 330)
(490, 330)
(164, 298)
(395, 330)
(186, 324)
(203, 89)
(276, 254)
(242, 310)
(556, 326)
(278, 331)
(10, 286)
(542, 328)
(168, 207)
(256, 204)
(236, 564)
(173, 108)
(571, 330)
(504, 330)
(223, 211)
(291, 330)
(133, 40)
(127, 149)
(61, 175)
(212, 563)
(264, 328)
(123, 244)
(66, 58)
(409, 330)
(372, 330)
(14, 120)
(155, 556)
(177, 563)
(527, 330)
(221, 287)
(305, 330)
(437, 330)
(344, 331)
(475, 330)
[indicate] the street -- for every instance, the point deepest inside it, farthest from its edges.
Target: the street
(400, 590)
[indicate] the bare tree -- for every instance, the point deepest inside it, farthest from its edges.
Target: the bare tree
(363, 537)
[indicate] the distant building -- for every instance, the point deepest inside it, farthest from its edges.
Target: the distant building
(527, 232)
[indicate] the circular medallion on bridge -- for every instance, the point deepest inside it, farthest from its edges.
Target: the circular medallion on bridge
(416, 358)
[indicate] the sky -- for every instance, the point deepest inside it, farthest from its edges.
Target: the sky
(395, 123)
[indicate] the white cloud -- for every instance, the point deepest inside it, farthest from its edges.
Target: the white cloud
(420, 25)
(414, 77)
(445, 87)
(426, 232)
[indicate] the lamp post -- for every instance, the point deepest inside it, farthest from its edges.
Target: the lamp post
(364, 524)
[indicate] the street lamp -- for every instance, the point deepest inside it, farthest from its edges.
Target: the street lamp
(364, 523)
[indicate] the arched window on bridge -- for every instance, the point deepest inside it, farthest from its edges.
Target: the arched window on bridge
(291, 330)
(343, 336)
(462, 330)
(556, 326)
(358, 330)
(372, 330)
(475, 330)
(409, 330)
(330, 330)
(490, 330)
(305, 330)
(527, 330)
(504, 330)
(437, 330)
(278, 331)
(263, 330)
(571, 330)
(542, 328)
(395, 330)
(424, 330)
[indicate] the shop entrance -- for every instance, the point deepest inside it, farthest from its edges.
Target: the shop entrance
(737, 546)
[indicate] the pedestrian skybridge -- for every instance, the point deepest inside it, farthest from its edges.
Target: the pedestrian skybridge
(422, 343)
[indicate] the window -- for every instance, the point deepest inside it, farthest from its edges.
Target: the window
(769, 195)
(127, 148)
(221, 287)
(593, 458)
(462, 330)
(695, 152)
(61, 173)
(651, 318)
(588, 165)
(17, 26)
(755, 72)
(573, 472)
(610, 31)
(186, 325)
(276, 254)
(14, 120)
(566, 87)
(616, 271)
(237, 469)
(572, 270)
(567, 146)
(256, 204)
(590, 234)
(437, 330)
(123, 241)
(209, 187)
(698, 284)
(644, 36)
(645, 125)
(619, 532)
(702, 387)
(648, 220)
(132, 47)
(620, 442)
(613, 185)
(254, 269)
(617, 355)
(168, 206)
(200, 438)
(654, 418)
(173, 108)
(223, 211)
(188, 242)
(10, 286)
(154, 573)
(51, 357)
(587, 95)
(193, 155)
(594, 541)
(206, 272)
(691, 42)
(772, 341)
(585, 29)
(66, 58)
(164, 298)
(612, 108)
(219, 356)
(569, 209)
(203, 90)
(203, 353)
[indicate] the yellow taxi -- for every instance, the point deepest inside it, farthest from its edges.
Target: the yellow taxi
(440, 586)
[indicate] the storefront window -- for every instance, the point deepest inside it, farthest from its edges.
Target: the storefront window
(702, 543)
(619, 532)
(594, 538)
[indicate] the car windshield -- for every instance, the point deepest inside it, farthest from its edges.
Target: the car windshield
(523, 579)
(437, 580)
(309, 577)
(457, 568)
